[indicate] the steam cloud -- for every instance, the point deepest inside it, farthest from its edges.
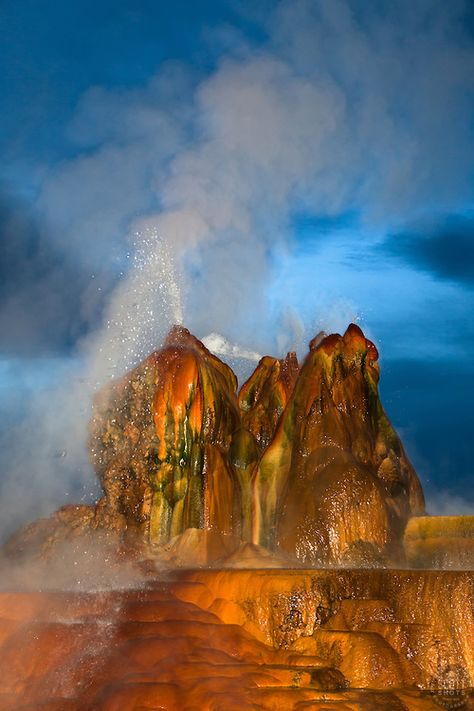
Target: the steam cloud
(181, 189)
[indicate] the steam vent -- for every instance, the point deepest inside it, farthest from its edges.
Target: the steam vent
(265, 549)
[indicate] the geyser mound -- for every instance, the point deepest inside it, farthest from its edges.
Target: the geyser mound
(302, 462)
(229, 535)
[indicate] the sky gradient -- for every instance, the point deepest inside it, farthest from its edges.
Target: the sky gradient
(303, 164)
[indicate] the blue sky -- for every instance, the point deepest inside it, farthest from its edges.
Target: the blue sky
(305, 163)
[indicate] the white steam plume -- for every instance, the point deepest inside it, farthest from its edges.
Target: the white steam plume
(221, 346)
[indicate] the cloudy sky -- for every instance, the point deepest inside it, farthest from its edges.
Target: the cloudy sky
(261, 170)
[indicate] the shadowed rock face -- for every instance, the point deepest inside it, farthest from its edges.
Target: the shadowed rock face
(303, 461)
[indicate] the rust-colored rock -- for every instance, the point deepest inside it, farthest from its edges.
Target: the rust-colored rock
(160, 440)
(261, 639)
(263, 397)
(262, 400)
(303, 462)
(440, 542)
(335, 485)
(210, 501)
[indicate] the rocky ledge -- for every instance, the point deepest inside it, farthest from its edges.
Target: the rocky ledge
(228, 640)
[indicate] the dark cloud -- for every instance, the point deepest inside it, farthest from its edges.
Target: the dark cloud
(427, 403)
(47, 301)
(444, 247)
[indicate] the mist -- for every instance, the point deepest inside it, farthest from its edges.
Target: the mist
(180, 194)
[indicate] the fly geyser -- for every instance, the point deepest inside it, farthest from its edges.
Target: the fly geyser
(266, 548)
(302, 463)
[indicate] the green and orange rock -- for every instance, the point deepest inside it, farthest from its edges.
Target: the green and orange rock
(262, 400)
(302, 462)
(264, 396)
(302, 467)
(165, 433)
(335, 484)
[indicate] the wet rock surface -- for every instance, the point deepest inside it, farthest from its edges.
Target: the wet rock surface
(335, 485)
(245, 639)
(261, 549)
(302, 461)
(440, 542)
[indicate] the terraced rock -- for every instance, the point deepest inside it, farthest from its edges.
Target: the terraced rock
(243, 640)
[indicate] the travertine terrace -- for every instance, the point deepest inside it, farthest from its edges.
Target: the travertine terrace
(266, 548)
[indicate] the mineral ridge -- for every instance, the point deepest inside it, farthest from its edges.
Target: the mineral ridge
(261, 549)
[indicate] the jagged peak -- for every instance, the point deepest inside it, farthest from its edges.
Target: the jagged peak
(353, 345)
